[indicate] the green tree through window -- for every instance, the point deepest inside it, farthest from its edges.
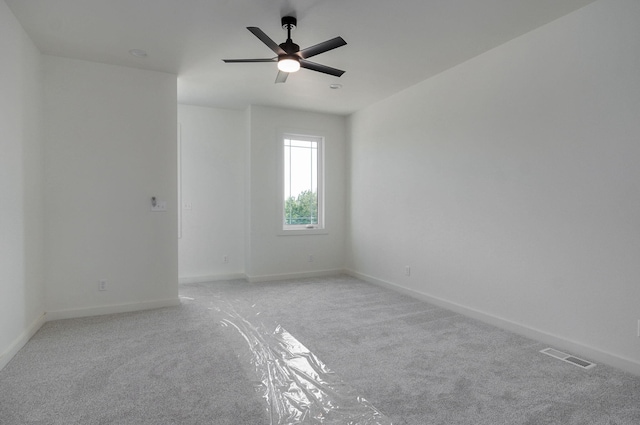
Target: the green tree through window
(303, 209)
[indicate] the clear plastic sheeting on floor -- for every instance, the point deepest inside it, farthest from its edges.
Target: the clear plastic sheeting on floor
(297, 386)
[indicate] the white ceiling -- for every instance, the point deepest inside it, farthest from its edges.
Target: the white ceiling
(391, 44)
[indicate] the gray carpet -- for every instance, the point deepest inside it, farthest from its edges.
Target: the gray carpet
(416, 363)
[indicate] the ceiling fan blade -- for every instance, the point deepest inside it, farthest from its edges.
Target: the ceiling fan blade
(248, 60)
(281, 77)
(266, 40)
(322, 47)
(320, 68)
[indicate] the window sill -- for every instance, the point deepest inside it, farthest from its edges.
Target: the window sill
(302, 232)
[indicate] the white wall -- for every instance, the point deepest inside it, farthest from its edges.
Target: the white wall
(510, 185)
(110, 146)
(269, 255)
(212, 180)
(21, 216)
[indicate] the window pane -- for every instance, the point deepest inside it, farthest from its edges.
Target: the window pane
(300, 182)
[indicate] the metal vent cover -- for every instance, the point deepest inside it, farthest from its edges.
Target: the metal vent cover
(584, 364)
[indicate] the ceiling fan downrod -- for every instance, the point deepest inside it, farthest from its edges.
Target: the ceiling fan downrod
(289, 23)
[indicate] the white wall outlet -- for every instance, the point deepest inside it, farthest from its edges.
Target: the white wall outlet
(187, 206)
(407, 271)
(225, 259)
(160, 206)
(102, 285)
(311, 258)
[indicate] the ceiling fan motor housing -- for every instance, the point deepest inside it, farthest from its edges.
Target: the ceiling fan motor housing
(290, 47)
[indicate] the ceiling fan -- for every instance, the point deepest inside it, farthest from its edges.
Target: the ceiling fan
(290, 58)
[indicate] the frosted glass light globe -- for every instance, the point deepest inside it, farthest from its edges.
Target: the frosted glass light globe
(288, 64)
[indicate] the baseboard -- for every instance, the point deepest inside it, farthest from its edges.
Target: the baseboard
(288, 276)
(24, 337)
(211, 278)
(111, 309)
(552, 340)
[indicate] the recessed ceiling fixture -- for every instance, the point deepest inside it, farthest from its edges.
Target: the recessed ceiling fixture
(139, 53)
(290, 58)
(335, 86)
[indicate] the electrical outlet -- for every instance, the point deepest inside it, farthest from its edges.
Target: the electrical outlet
(407, 271)
(102, 285)
(160, 206)
(225, 259)
(187, 206)
(311, 258)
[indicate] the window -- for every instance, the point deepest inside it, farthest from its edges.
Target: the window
(302, 183)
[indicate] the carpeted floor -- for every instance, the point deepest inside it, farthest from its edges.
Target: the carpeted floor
(414, 362)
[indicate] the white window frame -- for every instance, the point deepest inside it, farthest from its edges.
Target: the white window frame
(292, 230)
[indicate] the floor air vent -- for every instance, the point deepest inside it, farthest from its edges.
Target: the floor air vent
(568, 358)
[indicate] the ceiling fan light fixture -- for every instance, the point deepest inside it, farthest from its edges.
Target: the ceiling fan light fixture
(288, 63)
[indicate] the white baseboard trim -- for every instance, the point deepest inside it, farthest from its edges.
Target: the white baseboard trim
(111, 309)
(211, 278)
(555, 341)
(288, 276)
(19, 342)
